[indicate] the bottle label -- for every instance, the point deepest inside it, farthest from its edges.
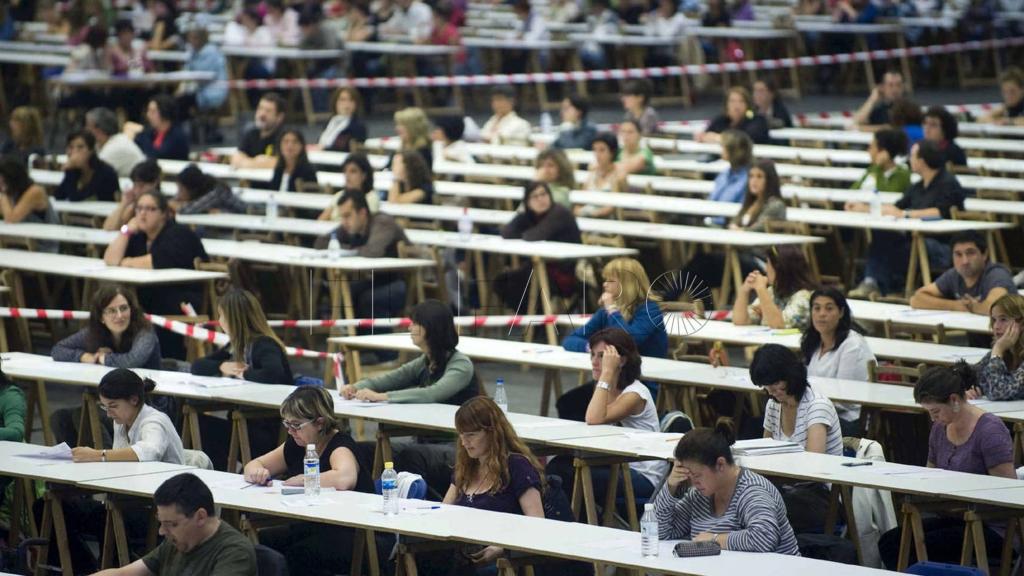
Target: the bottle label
(388, 484)
(312, 467)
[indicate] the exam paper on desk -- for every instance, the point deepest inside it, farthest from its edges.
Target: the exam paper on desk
(59, 452)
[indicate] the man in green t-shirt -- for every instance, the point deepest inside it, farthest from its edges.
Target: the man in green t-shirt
(195, 540)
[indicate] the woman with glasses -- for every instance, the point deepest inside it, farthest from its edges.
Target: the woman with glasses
(308, 416)
(152, 239)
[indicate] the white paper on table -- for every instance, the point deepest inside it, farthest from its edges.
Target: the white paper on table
(213, 382)
(240, 483)
(300, 501)
(920, 472)
(353, 403)
(418, 507)
(552, 423)
(59, 452)
(914, 313)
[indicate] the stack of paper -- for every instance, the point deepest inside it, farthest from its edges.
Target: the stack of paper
(764, 446)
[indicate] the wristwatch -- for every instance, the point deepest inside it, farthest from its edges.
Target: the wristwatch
(125, 230)
(603, 385)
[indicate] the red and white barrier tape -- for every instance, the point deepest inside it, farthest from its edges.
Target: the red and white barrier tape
(624, 73)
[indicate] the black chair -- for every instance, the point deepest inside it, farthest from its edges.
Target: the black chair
(270, 562)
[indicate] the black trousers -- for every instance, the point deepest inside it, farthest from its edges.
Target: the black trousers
(944, 538)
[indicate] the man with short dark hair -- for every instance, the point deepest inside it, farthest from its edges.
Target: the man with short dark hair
(874, 112)
(974, 282)
(505, 126)
(196, 541)
(941, 127)
(258, 147)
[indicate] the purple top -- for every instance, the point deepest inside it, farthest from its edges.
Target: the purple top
(988, 446)
(521, 477)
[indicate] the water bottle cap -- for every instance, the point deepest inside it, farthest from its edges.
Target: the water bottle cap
(310, 446)
(501, 380)
(648, 506)
(389, 465)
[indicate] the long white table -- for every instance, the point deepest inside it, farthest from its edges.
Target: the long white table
(864, 138)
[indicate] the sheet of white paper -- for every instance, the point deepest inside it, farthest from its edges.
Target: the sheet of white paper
(59, 452)
(300, 501)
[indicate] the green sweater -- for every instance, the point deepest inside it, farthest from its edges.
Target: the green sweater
(12, 414)
(898, 179)
(411, 383)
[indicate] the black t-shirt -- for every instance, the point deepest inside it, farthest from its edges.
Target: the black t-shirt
(879, 114)
(943, 192)
(294, 454)
(1015, 111)
(753, 124)
(176, 246)
(354, 132)
(255, 144)
(955, 154)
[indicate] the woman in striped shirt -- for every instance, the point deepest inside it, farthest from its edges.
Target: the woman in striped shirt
(735, 507)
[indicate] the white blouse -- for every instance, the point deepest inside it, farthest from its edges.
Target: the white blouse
(152, 437)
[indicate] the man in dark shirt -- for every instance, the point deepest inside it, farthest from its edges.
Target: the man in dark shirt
(972, 285)
(258, 147)
(196, 541)
(934, 196)
(875, 110)
(941, 127)
(370, 236)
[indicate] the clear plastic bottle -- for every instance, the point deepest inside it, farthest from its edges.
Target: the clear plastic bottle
(311, 472)
(271, 206)
(500, 396)
(389, 489)
(649, 532)
(334, 247)
(465, 226)
(876, 204)
(546, 125)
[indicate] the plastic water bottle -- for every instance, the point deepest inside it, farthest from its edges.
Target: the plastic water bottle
(649, 532)
(500, 397)
(545, 123)
(311, 472)
(876, 203)
(334, 247)
(389, 489)
(465, 226)
(271, 206)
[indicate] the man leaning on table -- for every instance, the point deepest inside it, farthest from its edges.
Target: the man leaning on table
(196, 541)
(972, 284)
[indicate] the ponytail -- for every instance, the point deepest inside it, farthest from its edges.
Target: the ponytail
(122, 384)
(938, 383)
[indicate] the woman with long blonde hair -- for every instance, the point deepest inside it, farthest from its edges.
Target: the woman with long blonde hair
(1001, 371)
(413, 129)
(494, 469)
(255, 352)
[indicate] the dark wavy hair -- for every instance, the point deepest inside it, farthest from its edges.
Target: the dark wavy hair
(362, 161)
(811, 339)
(417, 174)
(792, 272)
(436, 318)
(97, 335)
(775, 363)
(303, 159)
(626, 347)
(15, 175)
(772, 187)
(707, 445)
(938, 383)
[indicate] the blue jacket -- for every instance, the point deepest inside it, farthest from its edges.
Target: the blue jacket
(210, 59)
(646, 328)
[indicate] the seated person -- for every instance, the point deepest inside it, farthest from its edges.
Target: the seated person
(725, 503)
(619, 397)
(494, 470)
(370, 235)
(832, 348)
(555, 170)
(412, 181)
(575, 131)
(941, 127)
(964, 438)
(636, 105)
(12, 415)
(258, 147)
(145, 175)
(163, 138)
(113, 145)
(154, 240)
(26, 137)
(905, 114)
(204, 56)
(195, 538)
(974, 282)
(505, 126)
(448, 143)
(1001, 371)
(413, 129)
(541, 219)
(358, 178)
(601, 177)
(86, 177)
(769, 105)
(883, 174)
(934, 195)
(782, 293)
(1011, 83)
(200, 193)
(293, 166)
(664, 21)
(874, 112)
(731, 185)
(739, 114)
(634, 156)
(308, 416)
(345, 131)
(22, 200)
(255, 353)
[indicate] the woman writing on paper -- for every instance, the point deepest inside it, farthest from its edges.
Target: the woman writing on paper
(964, 438)
(724, 503)
(307, 414)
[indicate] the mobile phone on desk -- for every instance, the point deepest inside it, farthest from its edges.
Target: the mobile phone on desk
(857, 463)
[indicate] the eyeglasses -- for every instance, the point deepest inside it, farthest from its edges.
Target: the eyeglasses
(293, 426)
(140, 209)
(117, 310)
(106, 407)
